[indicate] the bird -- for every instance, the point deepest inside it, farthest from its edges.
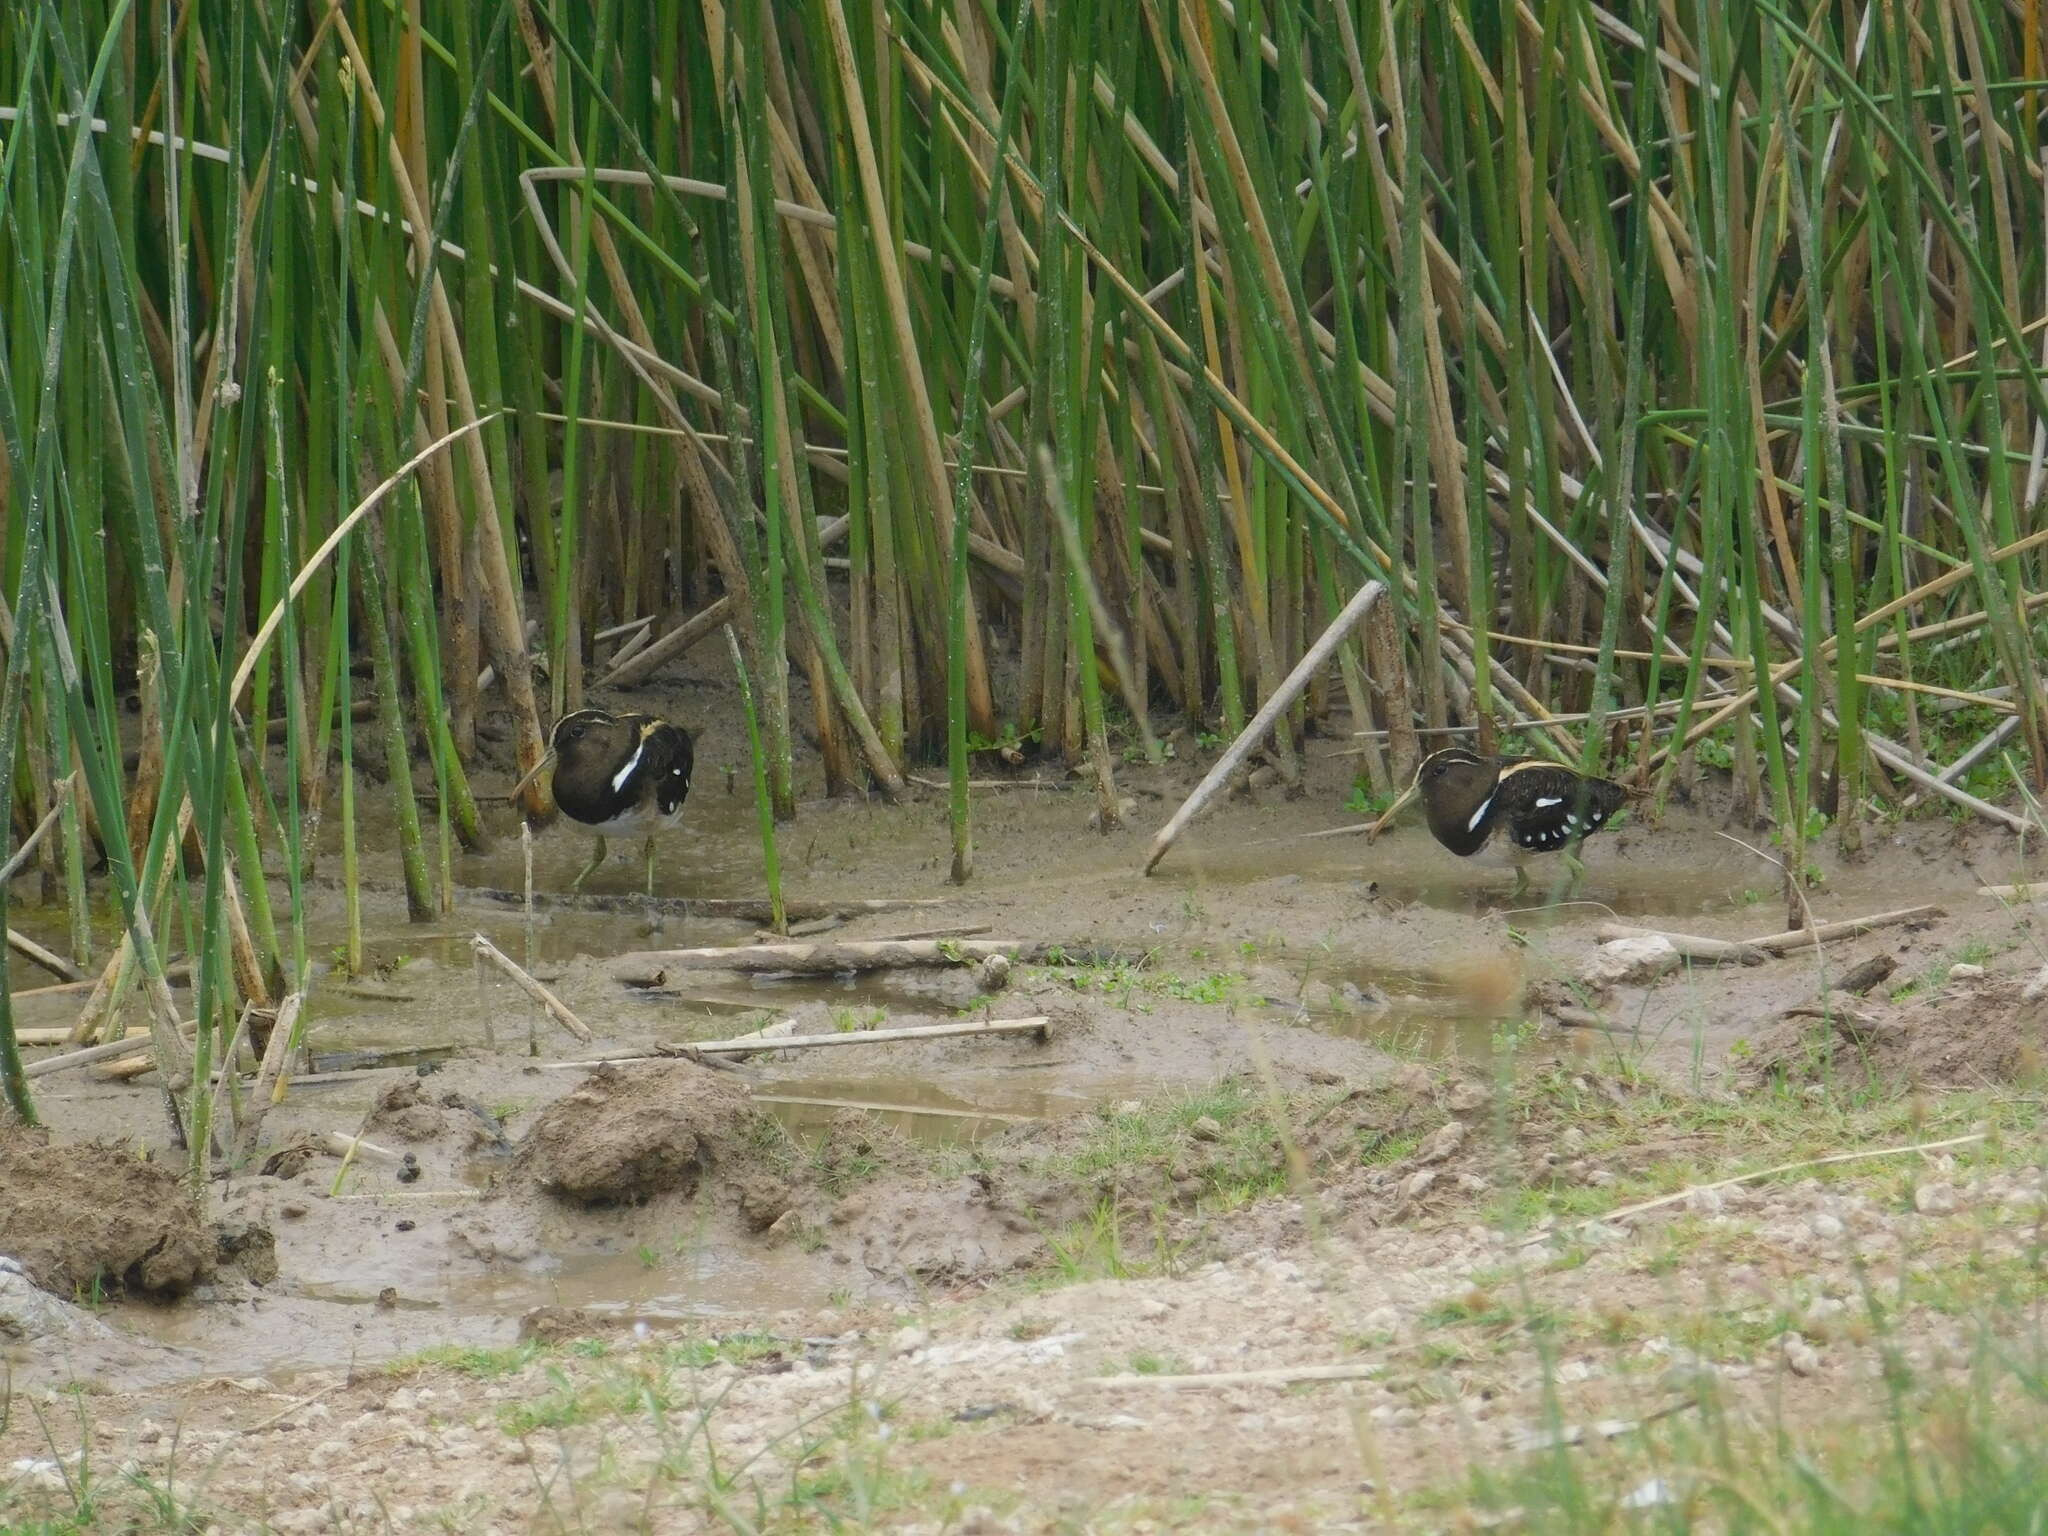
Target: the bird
(619, 775)
(1546, 808)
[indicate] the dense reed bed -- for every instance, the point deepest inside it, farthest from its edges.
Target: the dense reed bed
(1010, 373)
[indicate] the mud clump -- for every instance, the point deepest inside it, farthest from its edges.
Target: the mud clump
(407, 1112)
(93, 1213)
(1966, 1034)
(625, 1136)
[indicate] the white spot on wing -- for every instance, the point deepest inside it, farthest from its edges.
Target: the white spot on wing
(1548, 800)
(625, 773)
(1479, 815)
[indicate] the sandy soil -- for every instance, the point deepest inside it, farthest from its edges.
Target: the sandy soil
(949, 1278)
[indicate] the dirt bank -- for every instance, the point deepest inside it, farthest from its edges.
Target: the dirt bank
(1231, 1149)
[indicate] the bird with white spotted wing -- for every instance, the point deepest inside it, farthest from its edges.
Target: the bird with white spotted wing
(1545, 808)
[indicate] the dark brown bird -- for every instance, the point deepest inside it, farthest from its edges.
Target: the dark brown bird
(620, 775)
(1545, 808)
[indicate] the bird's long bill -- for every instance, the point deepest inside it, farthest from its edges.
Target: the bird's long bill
(1394, 810)
(547, 761)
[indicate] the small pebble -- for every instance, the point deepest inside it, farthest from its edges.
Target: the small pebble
(1965, 972)
(1935, 1199)
(1801, 1357)
(1825, 1226)
(1206, 1129)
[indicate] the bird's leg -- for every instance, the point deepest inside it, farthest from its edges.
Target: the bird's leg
(650, 866)
(1576, 869)
(1521, 881)
(596, 863)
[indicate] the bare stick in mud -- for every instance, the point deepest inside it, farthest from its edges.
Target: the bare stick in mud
(553, 1005)
(59, 1035)
(1765, 1173)
(1275, 1376)
(90, 1054)
(349, 1148)
(1807, 938)
(1039, 1027)
(963, 931)
(1282, 697)
(776, 1031)
(223, 1118)
(61, 793)
(1690, 946)
(2038, 891)
(269, 1074)
(55, 964)
(650, 967)
(876, 1107)
(744, 909)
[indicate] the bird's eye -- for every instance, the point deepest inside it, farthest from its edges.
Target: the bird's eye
(575, 733)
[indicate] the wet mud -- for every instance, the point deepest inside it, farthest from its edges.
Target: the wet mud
(1310, 967)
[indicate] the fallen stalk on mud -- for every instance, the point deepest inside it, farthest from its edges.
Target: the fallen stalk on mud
(744, 909)
(55, 964)
(1807, 938)
(1568, 1017)
(650, 967)
(1676, 1196)
(2024, 891)
(125, 1046)
(550, 1004)
(875, 1107)
(1690, 946)
(1039, 1027)
(59, 1035)
(348, 1148)
(1277, 1376)
(1290, 689)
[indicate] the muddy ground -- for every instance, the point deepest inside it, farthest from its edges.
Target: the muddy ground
(1301, 1103)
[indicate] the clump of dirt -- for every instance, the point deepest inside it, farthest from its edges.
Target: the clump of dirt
(409, 1111)
(967, 1229)
(627, 1134)
(92, 1212)
(1966, 1034)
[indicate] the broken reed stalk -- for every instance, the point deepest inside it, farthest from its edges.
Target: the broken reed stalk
(55, 964)
(745, 909)
(106, 1051)
(61, 798)
(879, 1107)
(270, 1076)
(1272, 1376)
(222, 1113)
(348, 1148)
(59, 1035)
(1038, 1028)
(649, 967)
(1829, 1161)
(1807, 938)
(1282, 697)
(550, 1004)
(1689, 946)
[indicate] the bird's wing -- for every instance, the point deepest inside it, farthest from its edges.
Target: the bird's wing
(669, 759)
(1546, 807)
